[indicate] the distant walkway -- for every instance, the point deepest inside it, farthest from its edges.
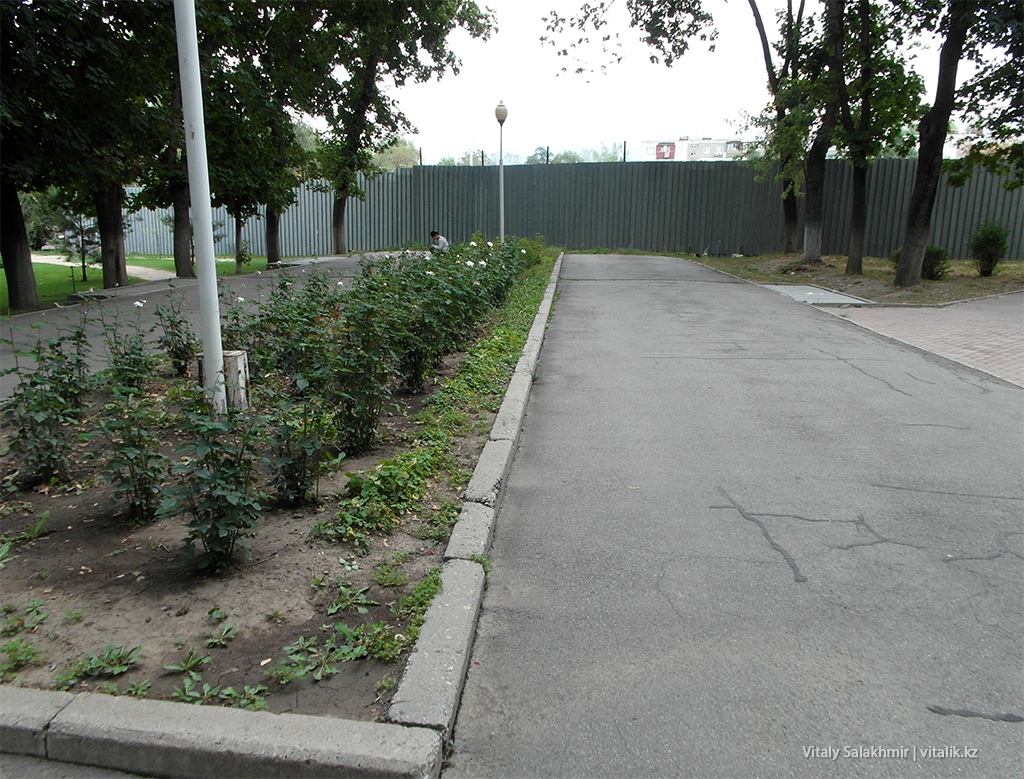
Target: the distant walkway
(139, 272)
(987, 334)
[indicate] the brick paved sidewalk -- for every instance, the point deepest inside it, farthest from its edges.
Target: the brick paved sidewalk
(986, 334)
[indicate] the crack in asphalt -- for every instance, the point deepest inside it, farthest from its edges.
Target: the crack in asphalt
(968, 713)
(879, 538)
(850, 364)
(1004, 549)
(797, 575)
(945, 492)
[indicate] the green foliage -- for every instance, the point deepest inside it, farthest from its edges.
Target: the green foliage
(223, 638)
(113, 661)
(41, 410)
(36, 530)
(935, 266)
(129, 359)
(217, 483)
(988, 246)
(387, 572)
(307, 657)
(375, 500)
(20, 653)
(303, 431)
(351, 598)
(178, 340)
(191, 664)
(131, 425)
(252, 697)
(30, 618)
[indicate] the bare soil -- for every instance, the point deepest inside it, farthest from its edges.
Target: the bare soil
(102, 582)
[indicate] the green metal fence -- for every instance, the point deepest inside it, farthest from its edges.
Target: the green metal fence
(702, 207)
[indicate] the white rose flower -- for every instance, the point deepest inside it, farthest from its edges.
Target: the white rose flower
(491, 245)
(472, 243)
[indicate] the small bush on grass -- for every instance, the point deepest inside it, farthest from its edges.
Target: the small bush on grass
(988, 246)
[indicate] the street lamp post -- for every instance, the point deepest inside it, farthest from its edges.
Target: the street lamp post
(500, 113)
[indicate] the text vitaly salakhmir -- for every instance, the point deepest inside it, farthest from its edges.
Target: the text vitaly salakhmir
(913, 753)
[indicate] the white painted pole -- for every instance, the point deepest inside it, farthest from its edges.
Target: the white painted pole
(202, 214)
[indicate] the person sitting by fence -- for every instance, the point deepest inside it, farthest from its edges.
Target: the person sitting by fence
(438, 243)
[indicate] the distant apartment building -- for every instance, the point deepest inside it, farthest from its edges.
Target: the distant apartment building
(688, 149)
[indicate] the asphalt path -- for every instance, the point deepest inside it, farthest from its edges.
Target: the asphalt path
(743, 537)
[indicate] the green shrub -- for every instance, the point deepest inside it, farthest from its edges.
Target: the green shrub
(217, 483)
(935, 265)
(988, 246)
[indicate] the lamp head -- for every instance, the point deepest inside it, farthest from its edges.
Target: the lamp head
(500, 113)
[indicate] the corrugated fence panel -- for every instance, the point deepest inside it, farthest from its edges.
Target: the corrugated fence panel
(714, 207)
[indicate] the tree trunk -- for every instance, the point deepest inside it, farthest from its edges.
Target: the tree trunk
(273, 237)
(239, 253)
(338, 225)
(791, 220)
(931, 138)
(16, 251)
(110, 220)
(814, 183)
(184, 259)
(858, 219)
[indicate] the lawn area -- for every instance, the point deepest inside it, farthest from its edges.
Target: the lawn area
(876, 284)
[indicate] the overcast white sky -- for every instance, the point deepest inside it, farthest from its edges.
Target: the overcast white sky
(703, 94)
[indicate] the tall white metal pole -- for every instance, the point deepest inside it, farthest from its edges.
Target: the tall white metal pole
(202, 214)
(500, 114)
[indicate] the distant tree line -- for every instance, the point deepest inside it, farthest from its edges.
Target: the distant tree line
(839, 77)
(91, 102)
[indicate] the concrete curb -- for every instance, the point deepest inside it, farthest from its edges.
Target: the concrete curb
(162, 738)
(431, 686)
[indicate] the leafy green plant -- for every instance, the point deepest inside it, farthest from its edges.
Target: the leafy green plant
(217, 484)
(139, 689)
(20, 653)
(306, 657)
(251, 697)
(113, 661)
(31, 617)
(129, 359)
(178, 340)
(303, 432)
(72, 616)
(351, 598)
(227, 633)
(988, 246)
(189, 692)
(191, 664)
(135, 463)
(5, 554)
(387, 572)
(43, 407)
(376, 499)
